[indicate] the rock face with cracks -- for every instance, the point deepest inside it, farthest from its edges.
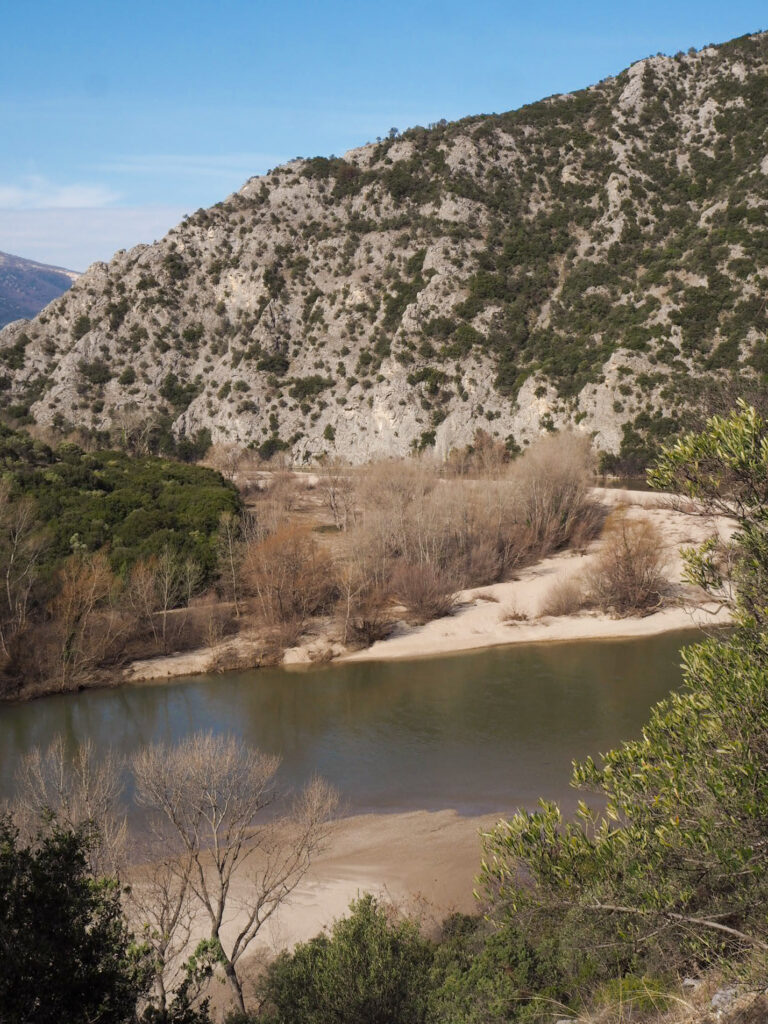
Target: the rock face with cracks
(586, 260)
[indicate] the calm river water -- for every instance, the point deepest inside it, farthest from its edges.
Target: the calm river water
(478, 732)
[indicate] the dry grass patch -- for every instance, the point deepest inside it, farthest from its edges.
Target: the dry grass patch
(565, 597)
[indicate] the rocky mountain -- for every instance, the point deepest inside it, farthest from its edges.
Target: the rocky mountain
(586, 260)
(26, 287)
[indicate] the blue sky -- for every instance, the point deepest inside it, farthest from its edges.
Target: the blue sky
(117, 118)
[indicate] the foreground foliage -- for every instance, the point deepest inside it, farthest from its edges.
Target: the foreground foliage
(371, 967)
(65, 949)
(674, 869)
(376, 966)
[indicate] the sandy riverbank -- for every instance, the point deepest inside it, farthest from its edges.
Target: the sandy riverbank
(482, 616)
(422, 862)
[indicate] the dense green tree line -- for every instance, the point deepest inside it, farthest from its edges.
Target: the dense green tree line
(131, 506)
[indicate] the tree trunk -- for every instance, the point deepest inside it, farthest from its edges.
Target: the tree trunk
(234, 984)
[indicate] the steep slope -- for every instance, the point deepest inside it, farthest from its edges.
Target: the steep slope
(26, 287)
(583, 260)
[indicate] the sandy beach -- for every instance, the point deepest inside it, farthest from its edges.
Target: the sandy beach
(422, 861)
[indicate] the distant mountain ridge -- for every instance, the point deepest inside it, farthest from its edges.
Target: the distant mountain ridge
(26, 287)
(588, 260)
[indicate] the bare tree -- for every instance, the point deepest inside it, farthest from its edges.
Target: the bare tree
(86, 626)
(77, 791)
(337, 486)
(170, 581)
(226, 458)
(160, 904)
(290, 575)
(21, 544)
(158, 584)
(230, 550)
(133, 430)
(140, 594)
(213, 792)
(191, 578)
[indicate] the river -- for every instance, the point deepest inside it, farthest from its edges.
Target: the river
(478, 732)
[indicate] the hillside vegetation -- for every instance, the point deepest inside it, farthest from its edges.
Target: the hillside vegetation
(590, 259)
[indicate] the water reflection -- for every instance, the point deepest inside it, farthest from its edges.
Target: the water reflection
(479, 732)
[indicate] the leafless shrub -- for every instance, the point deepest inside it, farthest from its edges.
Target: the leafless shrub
(565, 597)
(291, 577)
(76, 792)
(485, 457)
(214, 627)
(369, 619)
(551, 481)
(286, 633)
(479, 559)
(511, 613)
(426, 591)
(486, 596)
(627, 575)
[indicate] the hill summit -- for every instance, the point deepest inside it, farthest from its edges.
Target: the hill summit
(588, 260)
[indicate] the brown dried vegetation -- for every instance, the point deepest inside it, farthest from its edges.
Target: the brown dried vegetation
(627, 576)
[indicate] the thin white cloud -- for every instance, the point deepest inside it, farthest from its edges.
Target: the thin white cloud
(37, 192)
(75, 238)
(194, 165)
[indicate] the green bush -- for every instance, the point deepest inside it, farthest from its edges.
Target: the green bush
(672, 871)
(64, 945)
(371, 968)
(81, 327)
(96, 372)
(303, 388)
